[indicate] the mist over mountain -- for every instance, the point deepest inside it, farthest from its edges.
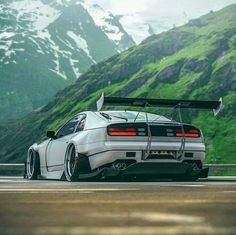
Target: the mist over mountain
(45, 45)
(147, 17)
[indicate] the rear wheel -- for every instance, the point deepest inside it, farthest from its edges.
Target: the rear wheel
(71, 164)
(32, 165)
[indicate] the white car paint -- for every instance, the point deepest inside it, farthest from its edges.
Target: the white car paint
(102, 149)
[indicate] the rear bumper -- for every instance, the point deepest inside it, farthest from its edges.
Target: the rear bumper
(154, 169)
(109, 156)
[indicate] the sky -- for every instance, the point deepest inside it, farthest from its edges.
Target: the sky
(152, 7)
(161, 15)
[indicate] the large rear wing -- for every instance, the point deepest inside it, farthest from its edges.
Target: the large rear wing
(216, 106)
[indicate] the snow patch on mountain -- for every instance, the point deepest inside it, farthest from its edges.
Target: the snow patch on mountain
(81, 43)
(38, 13)
(74, 65)
(54, 48)
(6, 35)
(103, 19)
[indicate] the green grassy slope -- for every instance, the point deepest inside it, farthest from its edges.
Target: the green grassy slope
(195, 61)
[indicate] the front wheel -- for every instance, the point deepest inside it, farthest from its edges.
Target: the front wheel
(71, 164)
(32, 165)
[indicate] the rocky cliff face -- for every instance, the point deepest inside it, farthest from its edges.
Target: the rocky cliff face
(47, 45)
(195, 61)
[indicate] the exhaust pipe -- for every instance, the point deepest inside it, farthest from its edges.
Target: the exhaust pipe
(119, 166)
(195, 166)
(123, 165)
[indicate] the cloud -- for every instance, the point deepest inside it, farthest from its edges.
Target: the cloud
(162, 7)
(122, 6)
(128, 6)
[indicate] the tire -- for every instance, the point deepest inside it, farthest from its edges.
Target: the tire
(32, 165)
(71, 165)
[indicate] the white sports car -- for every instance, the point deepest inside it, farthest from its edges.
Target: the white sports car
(122, 144)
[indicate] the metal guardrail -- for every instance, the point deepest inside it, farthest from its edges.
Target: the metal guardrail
(221, 167)
(17, 169)
(12, 169)
(11, 164)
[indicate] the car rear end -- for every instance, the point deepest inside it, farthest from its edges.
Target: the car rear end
(151, 148)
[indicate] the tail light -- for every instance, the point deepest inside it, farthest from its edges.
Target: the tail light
(122, 131)
(188, 133)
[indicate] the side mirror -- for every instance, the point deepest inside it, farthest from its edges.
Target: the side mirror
(51, 134)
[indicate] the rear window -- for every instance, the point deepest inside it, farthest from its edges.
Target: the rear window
(136, 116)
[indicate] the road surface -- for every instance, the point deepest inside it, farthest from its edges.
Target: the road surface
(116, 208)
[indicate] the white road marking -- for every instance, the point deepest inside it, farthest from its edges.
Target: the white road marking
(14, 181)
(128, 202)
(228, 192)
(63, 184)
(189, 185)
(152, 217)
(30, 190)
(131, 230)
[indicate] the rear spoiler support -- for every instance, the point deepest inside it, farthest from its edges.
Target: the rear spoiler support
(216, 106)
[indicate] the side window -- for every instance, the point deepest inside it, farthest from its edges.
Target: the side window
(81, 123)
(70, 126)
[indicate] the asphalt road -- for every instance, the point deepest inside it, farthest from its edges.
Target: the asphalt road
(113, 208)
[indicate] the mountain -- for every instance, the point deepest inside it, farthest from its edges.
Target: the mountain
(45, 45)
(195, 61)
